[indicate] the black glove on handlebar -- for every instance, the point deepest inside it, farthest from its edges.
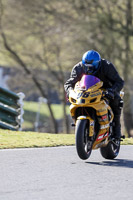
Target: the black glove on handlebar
(110, 93)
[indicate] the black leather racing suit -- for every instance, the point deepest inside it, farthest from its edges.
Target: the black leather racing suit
(107, 73)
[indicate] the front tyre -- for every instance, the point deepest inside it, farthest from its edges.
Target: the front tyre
(111, 151)
(83, 144)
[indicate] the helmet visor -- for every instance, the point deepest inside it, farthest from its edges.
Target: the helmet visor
(88, 68)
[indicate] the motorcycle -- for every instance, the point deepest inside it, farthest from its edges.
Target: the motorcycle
(93, 119)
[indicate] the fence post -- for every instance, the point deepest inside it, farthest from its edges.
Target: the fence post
(11, 109)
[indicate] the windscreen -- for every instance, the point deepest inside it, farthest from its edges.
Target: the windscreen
(88, 80)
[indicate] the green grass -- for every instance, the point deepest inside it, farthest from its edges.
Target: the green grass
(31, 109)
(34, 106)
(127, 141)
(17, 139)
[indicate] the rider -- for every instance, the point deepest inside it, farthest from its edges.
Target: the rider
(93, 64)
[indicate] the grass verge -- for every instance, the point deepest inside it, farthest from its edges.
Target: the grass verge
(16, 139)
(127, 141)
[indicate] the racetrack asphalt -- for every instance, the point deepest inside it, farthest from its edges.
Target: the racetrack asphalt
(58, 173)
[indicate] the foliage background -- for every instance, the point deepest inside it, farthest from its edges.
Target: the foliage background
(45, 39)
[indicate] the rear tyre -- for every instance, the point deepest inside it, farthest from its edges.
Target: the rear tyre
(111, 151)
(83, 143)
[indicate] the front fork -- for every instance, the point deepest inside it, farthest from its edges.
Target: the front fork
(91, 124)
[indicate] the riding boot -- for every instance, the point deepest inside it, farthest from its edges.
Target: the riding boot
(117, 127)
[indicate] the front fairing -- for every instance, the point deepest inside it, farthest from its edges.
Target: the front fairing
(86, 91)
(87, 82)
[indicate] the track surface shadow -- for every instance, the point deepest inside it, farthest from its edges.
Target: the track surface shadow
(114, 163)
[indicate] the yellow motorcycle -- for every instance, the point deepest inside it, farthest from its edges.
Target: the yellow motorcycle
(92, 118)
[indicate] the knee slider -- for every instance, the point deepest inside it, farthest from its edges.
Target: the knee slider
(121, 102)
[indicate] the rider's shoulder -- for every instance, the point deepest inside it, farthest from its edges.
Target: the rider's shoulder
(106, 63)
(78, 66)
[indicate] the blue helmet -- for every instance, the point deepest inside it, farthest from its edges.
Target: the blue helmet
(90, 61)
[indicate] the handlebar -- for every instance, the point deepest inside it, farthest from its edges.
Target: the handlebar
(104, 96)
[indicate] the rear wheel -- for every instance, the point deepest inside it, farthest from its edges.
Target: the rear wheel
(83, 142)
(111, 151)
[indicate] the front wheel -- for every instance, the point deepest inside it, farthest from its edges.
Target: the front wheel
(111, 151)
(83, 143)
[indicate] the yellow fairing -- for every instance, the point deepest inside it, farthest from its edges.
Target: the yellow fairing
(92, 98)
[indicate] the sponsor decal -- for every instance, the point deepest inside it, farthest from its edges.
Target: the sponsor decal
(95, 91)
(101, 144)
(104, 117)
(104, 126)
(102, 136)
(86, 94)
(96, 94)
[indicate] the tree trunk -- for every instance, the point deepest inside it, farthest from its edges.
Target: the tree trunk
(36, 82)
(65, 119)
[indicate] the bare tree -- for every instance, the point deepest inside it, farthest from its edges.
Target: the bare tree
(54, 34)
(112, 36)
(21, 63)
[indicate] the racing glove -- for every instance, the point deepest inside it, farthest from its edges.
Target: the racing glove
(110, 93)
